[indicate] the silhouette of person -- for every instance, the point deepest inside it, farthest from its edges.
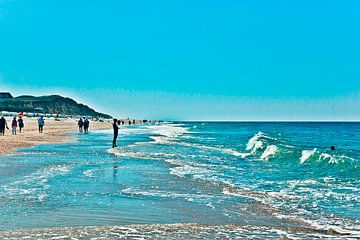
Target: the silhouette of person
(81, 125)
(86, 125)
(3, 124)
(332, 148)
(13, 126)
(21, 123)
(116, 132)
(41, 123)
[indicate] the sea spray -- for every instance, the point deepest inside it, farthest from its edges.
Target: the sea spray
(270, 151)
(306, 154)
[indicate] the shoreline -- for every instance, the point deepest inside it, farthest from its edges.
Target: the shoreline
(173, 231)
(54, 132)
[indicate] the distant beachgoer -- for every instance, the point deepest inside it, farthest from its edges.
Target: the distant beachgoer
(21, 123)
(3, 124)
(332, 148)
(41, 123)
(81, 125)
(116, 132)
(13, 126)
(86, 125)
(134, 121)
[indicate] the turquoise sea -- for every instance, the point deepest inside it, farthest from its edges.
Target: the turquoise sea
(188, 180)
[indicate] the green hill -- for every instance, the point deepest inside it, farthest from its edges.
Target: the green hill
(53, 104)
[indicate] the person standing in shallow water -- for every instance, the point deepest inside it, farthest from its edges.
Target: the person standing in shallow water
(86, 125)
(81, 125)
(3, 124)
(13, 126)
(21, 123)
(116, 132)
(41, 124)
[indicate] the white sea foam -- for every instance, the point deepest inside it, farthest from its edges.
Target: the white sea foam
(168, 130)
(306, 154)
(269, 152)
(218, 149)
(254, 141)
(235, 153)
(290, 199)
(183, 170)
(170, 231)
(223, 150)
(88, 173)
(160, 139)
(257, 145)
(167, 133)
(164, 194)
(124, 153)
(197, 170)
(329, 179)
(35, 185)
(328, 157)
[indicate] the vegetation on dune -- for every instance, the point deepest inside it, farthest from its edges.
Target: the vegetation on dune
(53, 104)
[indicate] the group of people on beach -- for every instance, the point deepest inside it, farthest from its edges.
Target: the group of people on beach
(84, 125)
(18, 122)
(15, 123)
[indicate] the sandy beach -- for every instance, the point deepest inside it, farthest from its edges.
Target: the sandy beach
(54, 132)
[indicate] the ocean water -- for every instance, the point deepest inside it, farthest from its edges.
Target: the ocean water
(187, 180)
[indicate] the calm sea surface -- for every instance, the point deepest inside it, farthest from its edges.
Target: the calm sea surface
(209, 179)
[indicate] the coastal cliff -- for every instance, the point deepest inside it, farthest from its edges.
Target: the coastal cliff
(53, 104)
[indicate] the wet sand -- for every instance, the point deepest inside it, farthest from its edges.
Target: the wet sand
(54, 132)
(172, 231)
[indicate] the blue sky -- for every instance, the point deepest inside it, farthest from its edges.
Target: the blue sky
(189, 60)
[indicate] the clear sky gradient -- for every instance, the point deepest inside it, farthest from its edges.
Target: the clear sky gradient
(188, 60)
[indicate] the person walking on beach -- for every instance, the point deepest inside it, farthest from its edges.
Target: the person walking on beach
(13, 126)
(86, 125)
(3, 124)
(116, 132)
(41, 123)
(81, 125)
(21, 123)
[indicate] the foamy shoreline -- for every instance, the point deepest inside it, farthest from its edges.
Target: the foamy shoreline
(170, 231)
(54, 132)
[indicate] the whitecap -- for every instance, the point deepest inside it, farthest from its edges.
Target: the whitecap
(326, 156)
(269, 151)
(252, 141)
(306, 154)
